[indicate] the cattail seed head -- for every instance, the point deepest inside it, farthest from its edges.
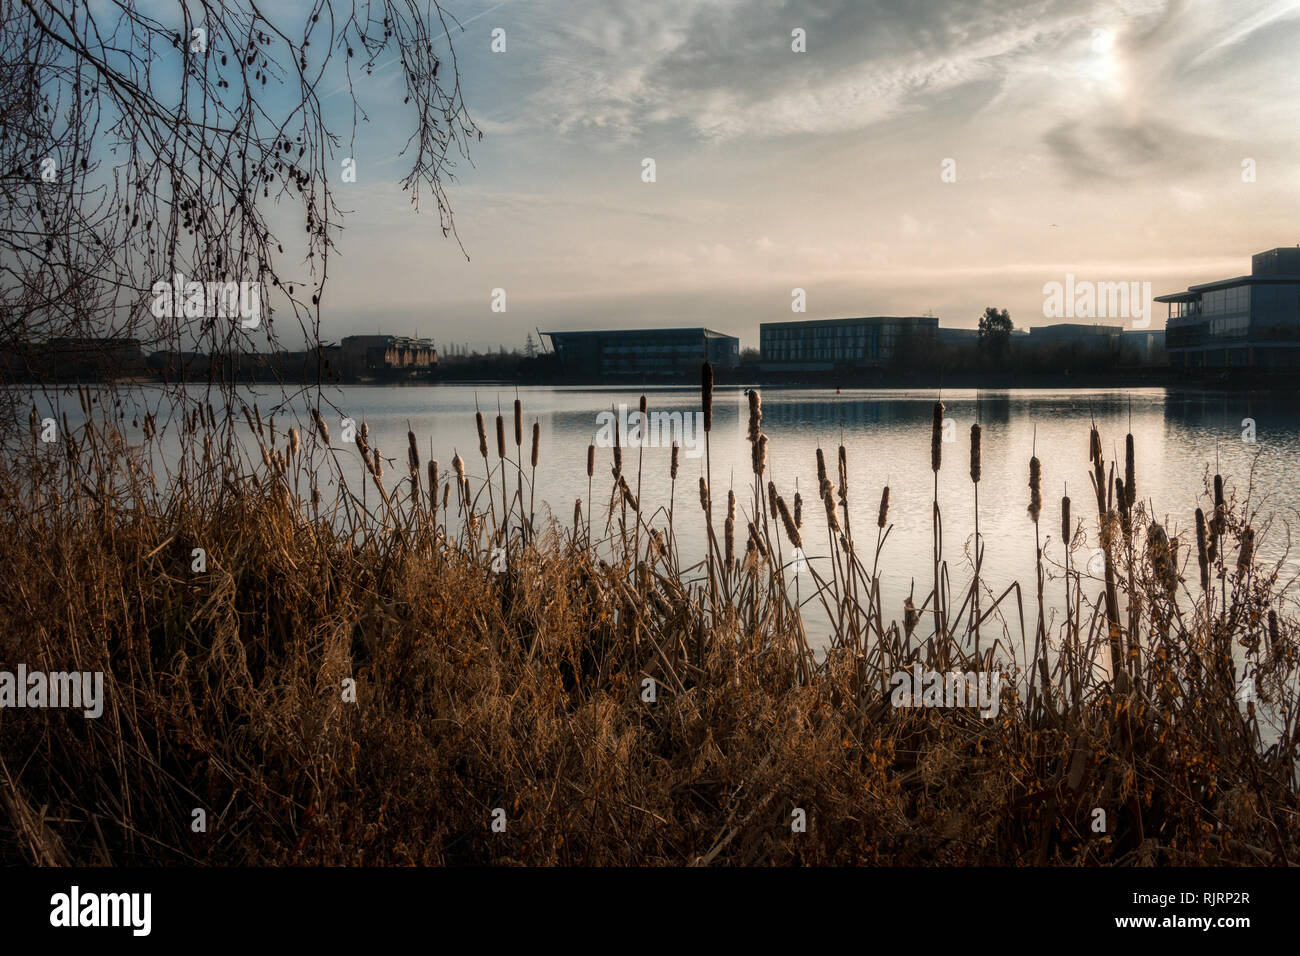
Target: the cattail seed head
(1035, 488)
(729, 539)
(704, 493)
(731, 504)
(1246, 554)
(936, 438)
(844, 474)
(643, 409)
(446, 493)
(832, 519)
(295, 443)
(911, 616)
(321, 427)
(755, 413)
(379, 465)
(577, 513)
(771, 497)
(433, 485)
(501, 437)
(675, 460)
(975, 435)
(1094, 445)
(537, 441)
(821, 468)
(458, 464)
(519, 423)
(1130, 489)
(482, 434)
(757, 540)
(628, 497)
(591, 460)
(883, 517)
(706, 395)
(1066, 531)
(1202, 550)
(412, 454)
(791, 529)
(798, 510)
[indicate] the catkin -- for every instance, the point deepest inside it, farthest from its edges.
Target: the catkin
(936, 438)
(1036, 488)
(1202, 550)
(791, 529)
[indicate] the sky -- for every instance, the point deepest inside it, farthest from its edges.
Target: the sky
(1128, 141)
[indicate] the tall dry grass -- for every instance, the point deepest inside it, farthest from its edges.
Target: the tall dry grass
(524, 689)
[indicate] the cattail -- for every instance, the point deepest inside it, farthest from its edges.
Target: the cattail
(1202, 552)
(911, 616)
(798, 510)
(501, 437)
(320, 426)
(771, 497)
(975, 432)
(482, 434)
(1272, 630)
(591, 460)
(758, 452)
(936, 438)
(618, 451)
(706, 395)
(577, 513)
(1122, 500)
(729, 539)
(731, 504)
(365, 431)
(1163, 556)
(628, 497)
(294, 443)
(791, 529)
(844, 474)
(1035, 488)
(832, 519)
(672, 468)
(433, 485)
(1066, 530)
(883, 517)
(379, 465)
(412, 454)
(519, 423)
(446, 494)
(1247, 552)
(704, 493)
(755, 413)
(643, 410)
(315, 495)
(258, 414)
(821, 468)
(1130, 489)
(537, 441)
(458, 464)
(1094, 444)
(758, 541)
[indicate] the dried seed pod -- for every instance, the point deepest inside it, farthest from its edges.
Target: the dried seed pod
(1035, 488)
(791, 529)
(1202, 550)
(936, 438)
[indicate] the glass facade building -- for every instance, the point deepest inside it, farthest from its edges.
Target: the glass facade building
(827, 343)
(1250, 320)
(629, 353)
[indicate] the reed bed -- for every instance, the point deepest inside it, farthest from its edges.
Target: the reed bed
(620, 706)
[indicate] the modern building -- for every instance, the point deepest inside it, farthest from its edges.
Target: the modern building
(1249, 320)
(824, 344)
(386, 356)
(1093, 335)
(618, 353)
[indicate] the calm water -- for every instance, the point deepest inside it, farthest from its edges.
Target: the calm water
(886, 434)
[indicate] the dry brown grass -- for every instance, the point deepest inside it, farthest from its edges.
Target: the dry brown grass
(523, 690)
